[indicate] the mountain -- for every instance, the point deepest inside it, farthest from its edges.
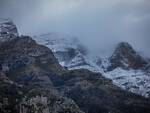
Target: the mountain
(126, 57)
(70, 53)
(7, 29)
(125, 67)
(128, 71)
(33, 81)
(25, 84)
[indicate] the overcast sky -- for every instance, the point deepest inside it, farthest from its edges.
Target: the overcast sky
(99, 24)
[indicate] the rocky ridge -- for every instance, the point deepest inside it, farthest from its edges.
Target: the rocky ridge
(125, 67)
(32, 81)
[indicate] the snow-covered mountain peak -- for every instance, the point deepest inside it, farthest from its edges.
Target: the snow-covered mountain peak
(8, 30)
(58, 41)
(67, 49)
(126, 68)
(7, 27)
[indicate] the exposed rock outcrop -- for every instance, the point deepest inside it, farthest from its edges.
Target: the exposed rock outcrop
(32, 81)
(126, 57)
(68, 50)
(125, 67)
(25, 69)
(8, 30)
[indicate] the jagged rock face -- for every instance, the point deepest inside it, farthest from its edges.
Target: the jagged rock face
(8, 27)
(32, 81)
(25, 68)
(126, 68)
(126, 57)
(23, 51)
(95, 94)
(69, 52)
(8, 30)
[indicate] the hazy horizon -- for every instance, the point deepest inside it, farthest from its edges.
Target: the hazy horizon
(99, 24)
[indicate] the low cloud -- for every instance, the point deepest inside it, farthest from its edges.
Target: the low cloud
(99, 24)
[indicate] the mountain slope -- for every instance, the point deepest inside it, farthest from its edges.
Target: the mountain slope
(32, 81)
(25, 87)
(68, 51)
(126, 57)
(126, 68)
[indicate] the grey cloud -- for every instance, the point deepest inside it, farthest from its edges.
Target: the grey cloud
(99, 24)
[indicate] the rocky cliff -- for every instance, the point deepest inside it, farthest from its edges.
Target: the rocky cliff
(126, 57)
(127, 68)
(32, 81)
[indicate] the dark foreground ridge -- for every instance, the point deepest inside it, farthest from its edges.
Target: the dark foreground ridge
(32, 81)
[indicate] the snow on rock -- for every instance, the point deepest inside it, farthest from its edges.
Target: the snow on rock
(8, 27)
(8, 30)
(57, 41)
(135, 81)
(71, 54)
(67, 49)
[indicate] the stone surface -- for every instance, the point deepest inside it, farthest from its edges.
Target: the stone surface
(32, 81)
(126, 57)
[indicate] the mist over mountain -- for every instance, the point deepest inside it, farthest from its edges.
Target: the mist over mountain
(97, 23)
(74, 56)
(60, 78)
